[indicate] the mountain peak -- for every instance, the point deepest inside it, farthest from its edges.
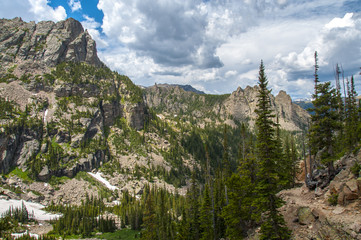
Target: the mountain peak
(45, 44)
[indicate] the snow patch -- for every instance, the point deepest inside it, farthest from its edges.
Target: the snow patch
(45, 114)
(17, 235)
(116, 202)
(33, 209)
(99, 177)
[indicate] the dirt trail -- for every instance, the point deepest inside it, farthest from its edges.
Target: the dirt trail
(344, 218)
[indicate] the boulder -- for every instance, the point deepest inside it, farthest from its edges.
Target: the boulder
(336, 187)
(356, 227)
(359, 183)
(34, 197)
(305, 216)
(343, 175)
(352, 185)
(44, 174)
(346, 195)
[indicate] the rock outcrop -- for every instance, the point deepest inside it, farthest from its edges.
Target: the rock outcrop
(35, 47)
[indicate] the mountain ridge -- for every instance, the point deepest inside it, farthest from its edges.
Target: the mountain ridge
(240, 105)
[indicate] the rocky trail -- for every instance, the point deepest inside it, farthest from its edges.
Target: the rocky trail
(309, 214)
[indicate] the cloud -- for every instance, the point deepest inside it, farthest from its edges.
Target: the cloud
(74, 5)
(219, 44)
(168, 73)
(339, 41)
(230, 74)
(15, 8)
(31, 10)
(42, 11)
(172, 33)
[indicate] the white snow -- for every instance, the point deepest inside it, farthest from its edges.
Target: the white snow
(33, 208)
(116, 202)
(45, 114)
(16, 235)
(99, 177)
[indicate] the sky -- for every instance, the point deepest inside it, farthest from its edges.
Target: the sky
(215, 45)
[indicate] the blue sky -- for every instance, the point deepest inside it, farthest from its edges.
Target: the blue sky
(214, 45)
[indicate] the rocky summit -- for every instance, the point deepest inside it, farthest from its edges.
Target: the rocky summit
(38, 46)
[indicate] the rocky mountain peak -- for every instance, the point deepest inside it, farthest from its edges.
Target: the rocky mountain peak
(38, 46)
(284, 97)
(68, 99)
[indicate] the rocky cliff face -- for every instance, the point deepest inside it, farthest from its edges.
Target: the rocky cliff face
(46, 44)
(240, 105)
(58, 99)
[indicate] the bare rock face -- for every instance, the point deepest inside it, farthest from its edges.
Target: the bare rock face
(243, 102)
(291, 116)
(45, 44)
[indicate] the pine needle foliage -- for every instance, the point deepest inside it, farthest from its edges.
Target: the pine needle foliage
(268, 179)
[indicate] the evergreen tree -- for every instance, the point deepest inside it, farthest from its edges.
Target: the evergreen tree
(294, 160)
(240, 213)
(273, 225)
(219, 204)
(193, 197)
(226, 165)
(183, 227)
(316, 75)
(351, 118)
(282, 159)
(325, 124)
(205, 215)
(289, 162)
(150, 227)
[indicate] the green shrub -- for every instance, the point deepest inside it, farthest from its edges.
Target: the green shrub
(333, 199)
(355, 169)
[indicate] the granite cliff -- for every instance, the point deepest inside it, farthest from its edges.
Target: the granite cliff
(45, 44)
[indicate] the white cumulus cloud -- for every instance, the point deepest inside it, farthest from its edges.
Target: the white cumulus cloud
(346, 21)
(42, 11)
(338, 41)
(74, 5)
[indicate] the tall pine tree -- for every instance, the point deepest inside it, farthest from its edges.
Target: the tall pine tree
(351, 116)
(325, 124)
(273, 224)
